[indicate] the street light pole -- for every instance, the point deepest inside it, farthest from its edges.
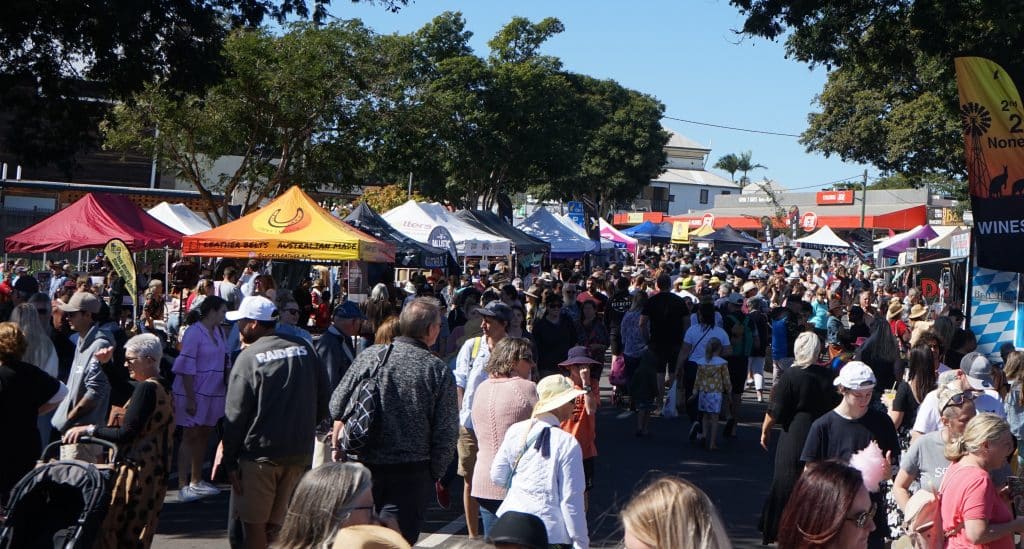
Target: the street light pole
(863, 198)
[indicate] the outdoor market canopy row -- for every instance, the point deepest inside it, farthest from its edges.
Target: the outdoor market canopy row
(292, 226)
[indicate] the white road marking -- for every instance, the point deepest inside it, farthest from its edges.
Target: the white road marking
(442, 535)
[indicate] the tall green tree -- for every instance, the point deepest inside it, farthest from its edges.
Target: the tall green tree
(891, 98)
(293, 111)
(58, 57)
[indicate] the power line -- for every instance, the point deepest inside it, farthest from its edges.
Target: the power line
(765, 132)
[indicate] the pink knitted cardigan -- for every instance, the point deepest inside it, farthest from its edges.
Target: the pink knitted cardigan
(498, 403)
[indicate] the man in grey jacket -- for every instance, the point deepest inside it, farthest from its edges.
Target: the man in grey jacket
(88, 400)
(277, 393)
(413, 439)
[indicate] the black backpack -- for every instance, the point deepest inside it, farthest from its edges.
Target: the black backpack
(361, 419)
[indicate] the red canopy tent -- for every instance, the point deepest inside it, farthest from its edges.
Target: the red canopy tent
(90, 222)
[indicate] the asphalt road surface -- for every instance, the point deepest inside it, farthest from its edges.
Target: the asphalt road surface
(736, 477)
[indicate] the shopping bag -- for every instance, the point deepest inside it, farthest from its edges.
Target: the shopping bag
(669, 409)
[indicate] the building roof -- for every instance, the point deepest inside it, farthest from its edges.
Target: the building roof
(694, 177)
(679, 141)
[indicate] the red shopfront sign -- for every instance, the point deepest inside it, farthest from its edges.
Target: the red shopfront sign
(829, 198)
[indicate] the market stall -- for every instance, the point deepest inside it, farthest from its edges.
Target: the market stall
(433, 224)
(825, 240)
(565, 242)
(527, 249)
(611, 233)
(180, 218)
(894, 246)
(91, 222)
(728, 239)
(292, 226)
(408, 252)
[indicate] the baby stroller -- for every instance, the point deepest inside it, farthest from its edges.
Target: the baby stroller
(59, 504)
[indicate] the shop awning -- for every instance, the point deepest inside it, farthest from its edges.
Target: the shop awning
(898, 219)
(292, 226)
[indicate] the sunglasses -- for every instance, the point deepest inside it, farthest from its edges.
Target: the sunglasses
(861, 519)
(291, 311)
(957, 400)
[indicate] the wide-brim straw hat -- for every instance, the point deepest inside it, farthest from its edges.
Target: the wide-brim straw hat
(895, 310)
(918, 312)
(554, 391)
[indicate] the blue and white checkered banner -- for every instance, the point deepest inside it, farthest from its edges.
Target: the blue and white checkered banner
(994, 310)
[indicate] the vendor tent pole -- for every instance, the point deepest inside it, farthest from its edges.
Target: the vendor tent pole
(167, 267)
(79, 265)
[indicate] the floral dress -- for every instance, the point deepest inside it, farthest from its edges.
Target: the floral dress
(712, 382)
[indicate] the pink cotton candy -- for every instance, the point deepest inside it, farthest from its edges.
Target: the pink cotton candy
(872, 466)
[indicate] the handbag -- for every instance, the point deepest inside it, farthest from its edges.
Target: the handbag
(617, 375)
(923, 519)
(362, 418)
(669, 409)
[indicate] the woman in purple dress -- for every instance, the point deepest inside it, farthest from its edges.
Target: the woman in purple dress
(199, 391)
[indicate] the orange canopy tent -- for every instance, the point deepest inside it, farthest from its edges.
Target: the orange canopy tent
(292, 226)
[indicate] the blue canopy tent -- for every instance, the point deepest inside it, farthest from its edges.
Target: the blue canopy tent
(651, 232)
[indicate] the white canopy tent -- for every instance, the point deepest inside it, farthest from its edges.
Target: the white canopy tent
(606, 244)
(565, 241)
(427, 223)
(179, 218)
(946, 234)
(823, 239)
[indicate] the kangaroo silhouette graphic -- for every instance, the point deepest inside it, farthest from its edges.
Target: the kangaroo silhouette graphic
(995, 187)
(1018, 186)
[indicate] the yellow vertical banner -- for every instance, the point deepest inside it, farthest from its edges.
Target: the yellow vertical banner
(680, 232)
(120, 258)
(992, 121)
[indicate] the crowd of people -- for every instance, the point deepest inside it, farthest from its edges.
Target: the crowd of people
(335, 422)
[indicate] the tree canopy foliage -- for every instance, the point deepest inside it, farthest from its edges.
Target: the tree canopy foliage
(891, 97)
(58, 58)
(339, 105)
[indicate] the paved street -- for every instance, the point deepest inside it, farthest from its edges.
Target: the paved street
(736, 477)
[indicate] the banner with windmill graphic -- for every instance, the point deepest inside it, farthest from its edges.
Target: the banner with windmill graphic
(992, 117)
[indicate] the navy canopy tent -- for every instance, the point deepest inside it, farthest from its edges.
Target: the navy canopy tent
(523, 244)
(728, 239)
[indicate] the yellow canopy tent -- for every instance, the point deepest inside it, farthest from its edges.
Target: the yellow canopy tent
(681, 232)
(292, 226)
(704, 230)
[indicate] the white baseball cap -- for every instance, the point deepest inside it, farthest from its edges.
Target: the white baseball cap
(254, 307)
(855, 375)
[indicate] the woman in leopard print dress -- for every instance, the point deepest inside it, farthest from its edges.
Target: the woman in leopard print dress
(143, 441)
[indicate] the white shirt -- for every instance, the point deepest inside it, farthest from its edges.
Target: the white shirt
(928, 413)
(469, 374)
(551, 488)
(698, 336)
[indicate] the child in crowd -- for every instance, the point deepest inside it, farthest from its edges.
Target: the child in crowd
(712, 387)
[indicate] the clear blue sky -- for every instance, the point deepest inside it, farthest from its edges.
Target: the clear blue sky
(681, 51)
